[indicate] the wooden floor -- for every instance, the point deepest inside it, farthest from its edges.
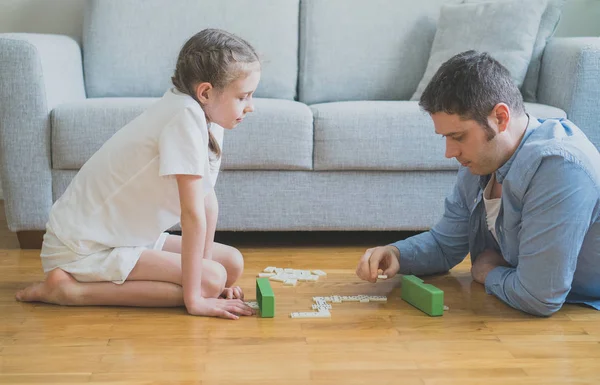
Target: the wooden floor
(478, 340)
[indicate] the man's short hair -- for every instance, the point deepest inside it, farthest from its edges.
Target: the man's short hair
(470, 85)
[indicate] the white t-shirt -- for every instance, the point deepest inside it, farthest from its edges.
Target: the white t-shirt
(492, 206)
(126, 193)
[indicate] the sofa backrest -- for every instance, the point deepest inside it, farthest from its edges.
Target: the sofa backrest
(364, 50)
(130, 47)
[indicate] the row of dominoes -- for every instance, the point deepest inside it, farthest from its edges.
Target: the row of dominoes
(322, 313)
(290, 277)
(352, 298)
(323, 307)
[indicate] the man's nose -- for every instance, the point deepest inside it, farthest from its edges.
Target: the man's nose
(451, 149)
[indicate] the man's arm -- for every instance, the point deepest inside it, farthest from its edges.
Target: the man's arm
(211, 207)
(447, 243)
(556, 215)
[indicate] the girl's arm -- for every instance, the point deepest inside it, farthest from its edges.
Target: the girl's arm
(211, 208)
(193, 230)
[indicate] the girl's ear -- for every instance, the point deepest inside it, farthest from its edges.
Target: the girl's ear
(203, 92)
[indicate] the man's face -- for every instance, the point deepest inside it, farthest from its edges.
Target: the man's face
(468, 142)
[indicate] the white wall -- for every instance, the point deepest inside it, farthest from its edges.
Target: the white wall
(580, 18)
(42, 16)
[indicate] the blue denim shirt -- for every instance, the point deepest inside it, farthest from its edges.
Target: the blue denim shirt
(548, 226)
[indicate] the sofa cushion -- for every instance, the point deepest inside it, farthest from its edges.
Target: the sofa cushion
(550, 19)
(369, 50)
(544, 111)
(130, 47)
(467, 27)
(384, 135)
(321, 201)
(277, 136)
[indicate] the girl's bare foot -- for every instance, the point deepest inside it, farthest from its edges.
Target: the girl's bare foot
(59, 288)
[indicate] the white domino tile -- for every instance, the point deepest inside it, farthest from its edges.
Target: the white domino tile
(312, 314)
(277, 278)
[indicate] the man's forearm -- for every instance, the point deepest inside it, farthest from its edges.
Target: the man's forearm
(422, 254)
(485, 262)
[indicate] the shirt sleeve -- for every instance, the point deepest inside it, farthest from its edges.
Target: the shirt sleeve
(557, 213)
(446, 244)
(183, 145)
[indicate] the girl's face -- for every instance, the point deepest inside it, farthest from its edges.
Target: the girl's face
(228, 107)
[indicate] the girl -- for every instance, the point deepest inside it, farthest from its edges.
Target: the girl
(105, 242)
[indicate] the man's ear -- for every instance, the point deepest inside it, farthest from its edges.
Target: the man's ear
(500, 116)
(204, 92)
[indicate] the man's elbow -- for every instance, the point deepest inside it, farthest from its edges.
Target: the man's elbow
(543, 308)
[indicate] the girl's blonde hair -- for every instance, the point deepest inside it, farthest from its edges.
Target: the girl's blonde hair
(213, 56)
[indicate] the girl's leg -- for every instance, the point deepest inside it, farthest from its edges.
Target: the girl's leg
(154, 281)
(229, 257)
(61, 288)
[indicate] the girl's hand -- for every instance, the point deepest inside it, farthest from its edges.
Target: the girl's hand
(215, 307)
(234, 292)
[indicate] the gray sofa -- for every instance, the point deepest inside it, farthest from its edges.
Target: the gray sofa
(334, 144)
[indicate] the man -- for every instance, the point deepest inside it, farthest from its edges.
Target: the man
(526, 204)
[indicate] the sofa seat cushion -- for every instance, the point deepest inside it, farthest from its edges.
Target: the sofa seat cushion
(384, 135)
(277, 136)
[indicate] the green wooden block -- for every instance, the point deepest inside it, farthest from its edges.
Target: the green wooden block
(423, 296)
(265, 298)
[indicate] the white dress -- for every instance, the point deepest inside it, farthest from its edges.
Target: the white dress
(125, 196)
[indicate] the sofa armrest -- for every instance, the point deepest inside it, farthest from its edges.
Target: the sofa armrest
(570, 80)
(37, 73)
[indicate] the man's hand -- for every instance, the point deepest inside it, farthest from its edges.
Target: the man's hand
(379, 258)
(222, 308)
(485, 262)
(234, 292)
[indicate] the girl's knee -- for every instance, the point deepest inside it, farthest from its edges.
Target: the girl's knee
(235, 266)
(214, 278)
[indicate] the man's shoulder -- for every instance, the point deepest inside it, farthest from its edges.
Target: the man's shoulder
(555, 145)
(557, 139)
